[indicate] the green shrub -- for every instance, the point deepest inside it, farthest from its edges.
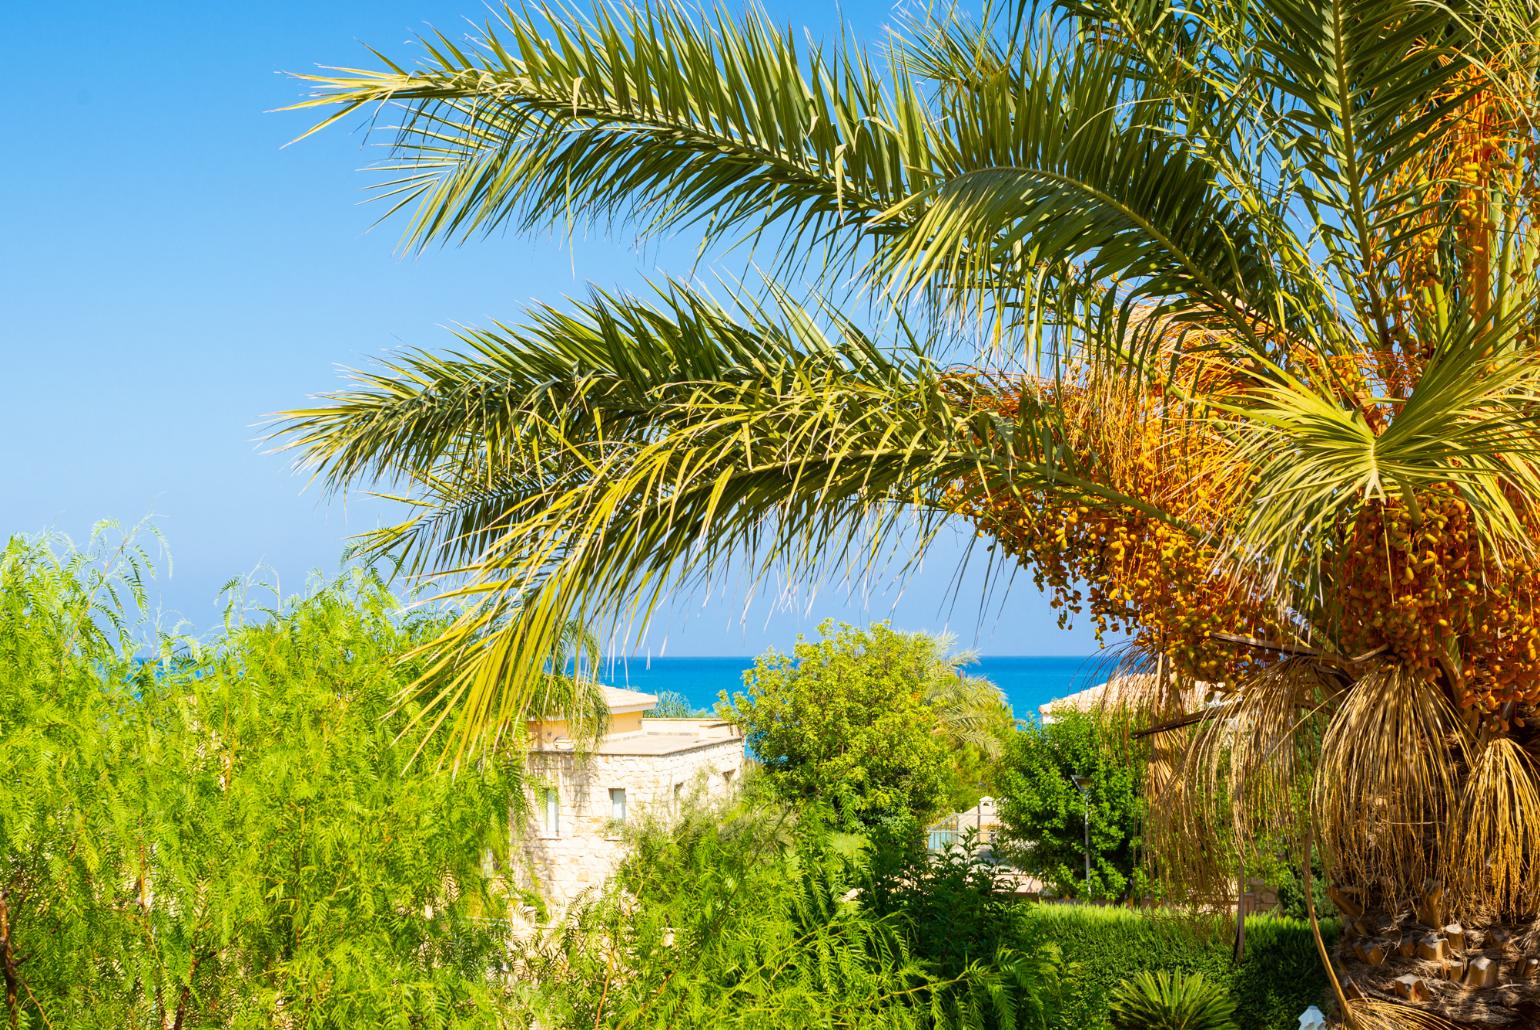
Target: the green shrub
(233, 834)
(1102, 946)
(1043, 813)
(751, 918)
(1170, 1001)
(951, 905)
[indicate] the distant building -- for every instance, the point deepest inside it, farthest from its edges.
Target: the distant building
(981, 819)
(981, 825)
(1129, 692)
(581, 802)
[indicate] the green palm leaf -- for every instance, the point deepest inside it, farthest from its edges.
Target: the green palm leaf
(1050, 158)
(1472, 421)
(1096, 176)
(555, 116)
(582, 466)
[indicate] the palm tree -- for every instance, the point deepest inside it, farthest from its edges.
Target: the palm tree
(1253, 290)
(971, 712)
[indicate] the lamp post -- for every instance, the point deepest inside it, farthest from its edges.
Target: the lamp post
(1082, 784)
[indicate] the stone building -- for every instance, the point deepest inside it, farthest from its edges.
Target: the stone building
(579, 802)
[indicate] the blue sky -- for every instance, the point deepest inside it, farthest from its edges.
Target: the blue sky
(172, 273)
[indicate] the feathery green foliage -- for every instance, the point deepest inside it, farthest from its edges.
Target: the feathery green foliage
(230, 834)
(581, 468)
(955, 906)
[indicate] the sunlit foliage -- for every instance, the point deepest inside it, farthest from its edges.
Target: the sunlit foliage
(229, 833)
(753, 918)
(1255, 290)
(874, 725)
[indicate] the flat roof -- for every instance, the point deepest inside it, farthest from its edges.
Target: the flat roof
(619, 699)
(658, 737)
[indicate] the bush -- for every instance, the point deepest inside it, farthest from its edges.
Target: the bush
(1043, 812)
(843, 722)
(232, 834)
(1170, 1001)
(951, 905)
(1101, 947)
(752, 918)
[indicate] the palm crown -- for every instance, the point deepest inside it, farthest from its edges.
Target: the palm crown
(1253, 288)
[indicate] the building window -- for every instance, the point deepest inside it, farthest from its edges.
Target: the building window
(618, 804)
(678, 794)
(727, 777)
(550, 812)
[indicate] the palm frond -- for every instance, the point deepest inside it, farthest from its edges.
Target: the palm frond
(1353, 85)
(971, 708)
(1387, 784)
(1470, 422)
(1495, 836)
(642, 446)
(1378, 1014)
(1053, 158)
(652, 112)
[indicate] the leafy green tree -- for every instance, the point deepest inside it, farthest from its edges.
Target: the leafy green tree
(234, 834)
(861, 721)
(1042, 811)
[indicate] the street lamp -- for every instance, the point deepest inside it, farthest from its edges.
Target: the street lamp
(1082, 784)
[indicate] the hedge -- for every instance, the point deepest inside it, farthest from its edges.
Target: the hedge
(1280, 976)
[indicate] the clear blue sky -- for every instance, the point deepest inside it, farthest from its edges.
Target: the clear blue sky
(171, 274)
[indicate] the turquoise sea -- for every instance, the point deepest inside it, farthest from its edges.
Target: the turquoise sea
(1027, 680)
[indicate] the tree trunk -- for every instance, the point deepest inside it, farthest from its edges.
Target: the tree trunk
(1472, 973)
(9, 964)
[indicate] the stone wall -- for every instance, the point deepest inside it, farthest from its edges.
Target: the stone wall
(586, 847)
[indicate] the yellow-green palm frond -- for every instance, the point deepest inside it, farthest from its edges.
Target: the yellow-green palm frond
(656, 113)
(1316, 458)
(585, 464)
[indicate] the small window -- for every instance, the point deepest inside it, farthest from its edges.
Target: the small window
(550, 815)
(727, 777)
(678, 794)
(618, 804)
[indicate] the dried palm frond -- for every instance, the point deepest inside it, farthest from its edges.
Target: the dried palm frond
(1187, 822)
(1376, 1014)
(1238, 778)
(1388, 783)
(1269, 742)
(1495, 835)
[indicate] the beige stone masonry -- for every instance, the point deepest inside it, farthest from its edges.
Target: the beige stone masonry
(657, 762)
